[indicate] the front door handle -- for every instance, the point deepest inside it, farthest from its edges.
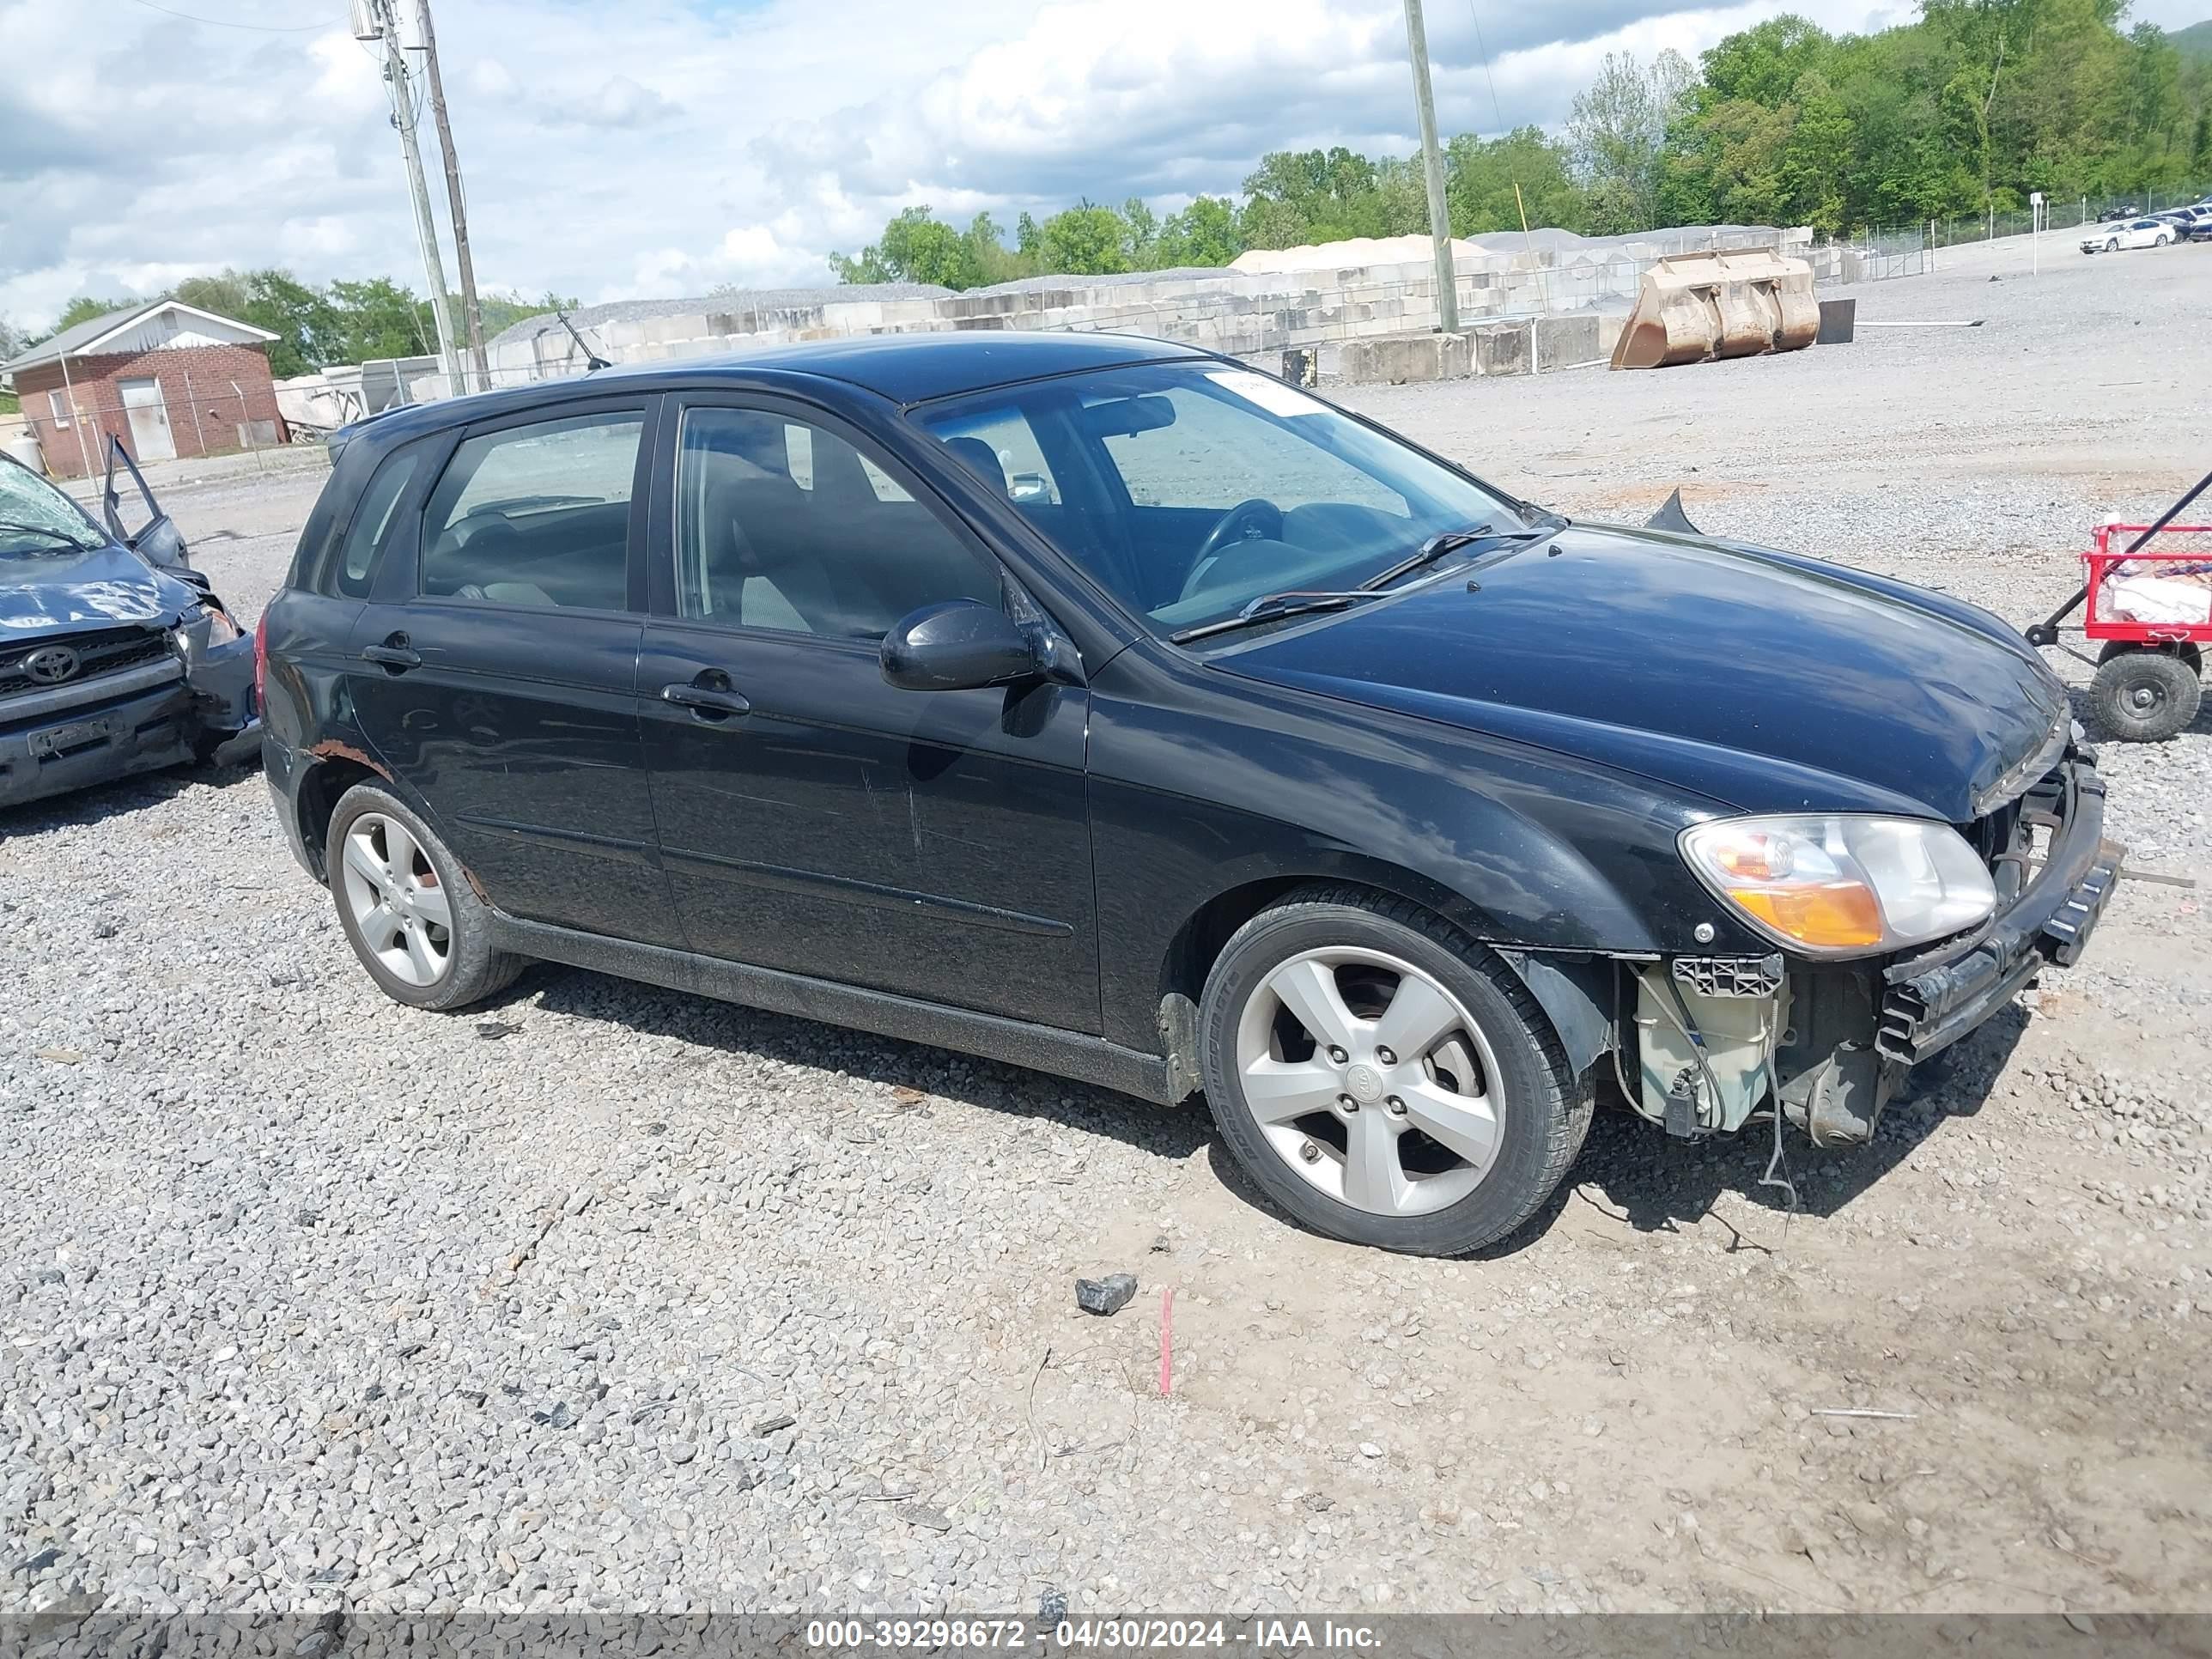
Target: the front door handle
(706, 702)
(395, 653)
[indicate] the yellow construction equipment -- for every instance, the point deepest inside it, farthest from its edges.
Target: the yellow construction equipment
(1738, 304)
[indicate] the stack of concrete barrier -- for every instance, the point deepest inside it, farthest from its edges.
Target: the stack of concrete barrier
(1553, 301)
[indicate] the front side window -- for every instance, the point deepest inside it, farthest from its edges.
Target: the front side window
(784, 526)
(536, 515)
(1189, 490)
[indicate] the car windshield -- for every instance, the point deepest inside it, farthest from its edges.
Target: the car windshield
(37, 521)
(1192, 490)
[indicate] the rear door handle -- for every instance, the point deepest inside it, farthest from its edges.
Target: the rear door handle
(705, 702)
(395, 653)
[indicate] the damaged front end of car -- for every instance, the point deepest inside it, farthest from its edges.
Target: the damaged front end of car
(1829, 1039)
(116, 657)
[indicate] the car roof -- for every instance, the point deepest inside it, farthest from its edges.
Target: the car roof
(912, 369)
(906, 368)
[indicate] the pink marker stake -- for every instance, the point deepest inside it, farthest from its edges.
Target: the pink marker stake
(1167, 1340)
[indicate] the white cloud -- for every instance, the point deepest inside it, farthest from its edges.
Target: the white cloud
(618, 101)
(662, 148)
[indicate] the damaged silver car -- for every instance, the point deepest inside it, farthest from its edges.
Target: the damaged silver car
(116, 657)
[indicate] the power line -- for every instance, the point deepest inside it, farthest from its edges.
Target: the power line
(1512, 172)
(1483, 51)
(224, 23)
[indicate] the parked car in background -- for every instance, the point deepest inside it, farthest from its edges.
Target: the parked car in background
(115, 656)
(1106, 706)
(2136, 233)
(2117, 215)
(2192, 223)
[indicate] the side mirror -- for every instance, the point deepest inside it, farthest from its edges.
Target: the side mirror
(958, 645)
(160, 544)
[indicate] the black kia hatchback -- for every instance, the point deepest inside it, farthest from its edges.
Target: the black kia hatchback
(1102, 706)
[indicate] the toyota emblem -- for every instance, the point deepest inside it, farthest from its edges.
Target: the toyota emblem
(50, 666)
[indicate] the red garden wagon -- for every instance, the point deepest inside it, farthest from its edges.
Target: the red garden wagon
(2151, 609)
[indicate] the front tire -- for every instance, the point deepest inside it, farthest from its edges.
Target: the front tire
(2145, 696)
(407, 908)
(1383, 1079)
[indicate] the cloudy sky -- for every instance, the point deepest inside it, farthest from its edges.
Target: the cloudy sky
(653, 148)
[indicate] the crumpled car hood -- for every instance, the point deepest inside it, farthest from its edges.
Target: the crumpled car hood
(1766, 680)
(105, 586)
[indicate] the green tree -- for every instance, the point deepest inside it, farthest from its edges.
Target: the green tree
(994, 261)
(1817, 156)
(1084, 241)
(916, 247)
(1203, 233)
(1482, 177)
(1619, 126)
(1763, 64)
(1140, 235)
(1318, 196)
(84, 308)
(377, 318)
(866, 266)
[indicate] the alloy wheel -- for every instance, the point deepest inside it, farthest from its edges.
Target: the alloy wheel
(396, 900)
(1370, 1080)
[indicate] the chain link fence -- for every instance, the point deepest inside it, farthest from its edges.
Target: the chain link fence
(1874, 256)
(2060, 214)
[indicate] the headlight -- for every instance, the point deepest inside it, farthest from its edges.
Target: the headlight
(220, 629)
(1843, 886)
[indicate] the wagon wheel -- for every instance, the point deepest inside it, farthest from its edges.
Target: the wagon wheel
(2143, 696)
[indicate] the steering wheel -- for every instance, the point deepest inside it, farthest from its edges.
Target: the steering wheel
(1253, 519)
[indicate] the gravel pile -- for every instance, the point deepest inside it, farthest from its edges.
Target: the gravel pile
(606, 1297)
(721, 300)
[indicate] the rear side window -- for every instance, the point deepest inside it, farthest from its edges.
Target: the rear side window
(1003, 450)
(536, 515)
(349, 575)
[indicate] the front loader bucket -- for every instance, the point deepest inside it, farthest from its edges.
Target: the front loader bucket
(1694, 306)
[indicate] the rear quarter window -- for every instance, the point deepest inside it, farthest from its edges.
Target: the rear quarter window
(350, 568)
(346, 567)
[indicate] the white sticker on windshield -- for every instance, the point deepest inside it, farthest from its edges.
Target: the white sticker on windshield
(1269, 393)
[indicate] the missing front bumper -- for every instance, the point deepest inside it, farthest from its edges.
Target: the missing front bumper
(1932, 1000)
(1858, 1033)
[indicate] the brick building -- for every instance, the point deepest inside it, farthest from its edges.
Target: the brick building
(168, 378)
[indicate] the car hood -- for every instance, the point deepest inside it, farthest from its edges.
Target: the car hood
(109, 585)
(1758, 680)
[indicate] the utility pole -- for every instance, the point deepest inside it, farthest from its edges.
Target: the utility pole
(470, 310)
(375, 20)
(1432, 167)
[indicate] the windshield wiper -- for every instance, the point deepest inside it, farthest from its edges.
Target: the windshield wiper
(1272, 607)
(1452, 541)
(61, 536)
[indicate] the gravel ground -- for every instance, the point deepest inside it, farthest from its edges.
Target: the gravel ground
(609, 1297)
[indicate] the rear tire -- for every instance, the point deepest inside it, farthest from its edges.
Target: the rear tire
(2145, 696)
(1442, 1149)
(407, 908)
